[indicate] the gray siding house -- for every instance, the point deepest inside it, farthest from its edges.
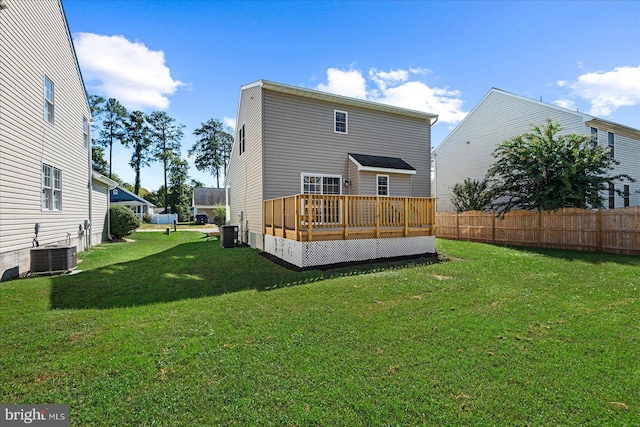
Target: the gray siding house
(206, 199)
(45, 141)
(500, 115)
(291, 140)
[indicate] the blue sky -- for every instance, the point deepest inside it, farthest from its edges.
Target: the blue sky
(191, 57)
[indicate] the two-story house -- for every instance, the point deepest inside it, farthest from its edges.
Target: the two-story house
(344, 177)
(48, 192)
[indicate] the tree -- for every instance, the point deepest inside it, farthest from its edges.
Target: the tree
(180, 191)
(166, 137)
(112, 126)
(471, 195)
(99, 164)
(212, 149)
(138, 139)
(539, 170)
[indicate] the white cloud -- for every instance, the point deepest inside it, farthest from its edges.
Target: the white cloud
(608, 91)
(566, 103)
(561, 83)
(115, 67)
(395, 87)
(228, 121)
(347, 83)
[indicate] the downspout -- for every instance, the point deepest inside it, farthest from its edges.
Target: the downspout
(90, 156)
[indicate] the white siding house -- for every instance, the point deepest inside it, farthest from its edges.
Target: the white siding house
(45, 142)
(499, 116)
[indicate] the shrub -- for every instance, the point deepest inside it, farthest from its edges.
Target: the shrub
(471, 195)
(147, 218)
(219, 216)
(123, 221)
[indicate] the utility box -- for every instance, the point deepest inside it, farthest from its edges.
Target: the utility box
(53, 259)
(228, 236)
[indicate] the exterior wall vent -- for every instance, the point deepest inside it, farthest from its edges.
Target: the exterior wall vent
(53, 259)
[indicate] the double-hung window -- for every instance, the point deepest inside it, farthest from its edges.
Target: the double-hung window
(49, 99)
(241, 140)
(612, 196)
(626, 196)
(51, 188)
(594, 137)
(610, 143)
(340, 121)
(382, 185)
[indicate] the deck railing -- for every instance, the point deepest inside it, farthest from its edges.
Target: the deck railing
(308, 217)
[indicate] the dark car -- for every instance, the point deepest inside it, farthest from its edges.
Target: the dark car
(202, 219)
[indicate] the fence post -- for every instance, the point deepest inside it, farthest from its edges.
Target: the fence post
(377, 217)
(457, 226)
(345, 216)
(599, 230)
(493, 226)
(310, 219)
(539, 226)
(406, 216)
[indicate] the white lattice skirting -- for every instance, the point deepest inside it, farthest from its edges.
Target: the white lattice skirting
(310, 254)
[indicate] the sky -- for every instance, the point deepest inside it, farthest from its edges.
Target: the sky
(190, 58)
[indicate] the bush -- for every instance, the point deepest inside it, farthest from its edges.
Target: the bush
(123, 221)
(147, 218)
(471, 195)
(219, 216)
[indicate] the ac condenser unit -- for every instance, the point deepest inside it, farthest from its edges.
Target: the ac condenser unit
(53, 259)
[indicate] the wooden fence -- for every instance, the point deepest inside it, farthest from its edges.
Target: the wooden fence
(613, 231)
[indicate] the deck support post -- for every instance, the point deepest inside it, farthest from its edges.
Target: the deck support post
(345, 216)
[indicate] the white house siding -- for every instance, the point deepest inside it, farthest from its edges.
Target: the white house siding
(244, 174)
(34, 42)
(627, 152)
(466, 152)
(299, 138)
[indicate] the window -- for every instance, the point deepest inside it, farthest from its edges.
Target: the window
(85, 132)
(610, 143)
(320, 184)
(51, 188)
(48, 100)
(241, 143)
(626, 196)
(340, 121)
(612, 196)
(594, 137)
(383, 185)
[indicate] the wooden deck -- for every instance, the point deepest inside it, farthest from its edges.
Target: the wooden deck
(313, 217)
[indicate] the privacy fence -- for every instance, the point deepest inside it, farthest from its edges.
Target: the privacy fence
(613, 231)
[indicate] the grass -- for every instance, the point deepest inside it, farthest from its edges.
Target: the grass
(173, 330)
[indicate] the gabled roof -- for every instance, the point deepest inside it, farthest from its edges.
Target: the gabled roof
(585, 117)
(97, 176)
(122, 195)
(207, 196)
(369, 163)
(339, 99)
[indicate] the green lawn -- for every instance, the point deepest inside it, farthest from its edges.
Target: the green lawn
(172, 330)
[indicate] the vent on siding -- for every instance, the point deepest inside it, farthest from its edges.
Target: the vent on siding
(53, 259)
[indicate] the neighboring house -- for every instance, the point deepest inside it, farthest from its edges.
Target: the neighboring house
(205, 199)
(322, 148)
(46, 181)
(124, 197)
(467, 151)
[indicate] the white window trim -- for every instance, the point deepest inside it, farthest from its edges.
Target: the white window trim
(322, 175)
(52, 189)
(346, 122)
(378, 186)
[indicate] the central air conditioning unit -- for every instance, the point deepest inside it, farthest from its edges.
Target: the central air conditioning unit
(53, 259)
